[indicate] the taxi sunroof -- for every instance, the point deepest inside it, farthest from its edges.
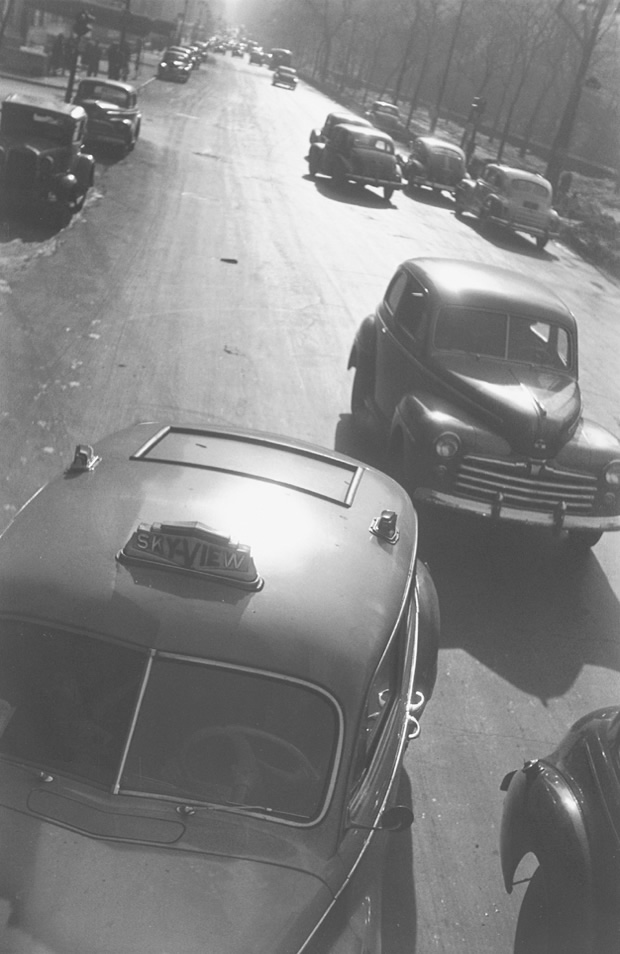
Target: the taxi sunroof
(262, 459)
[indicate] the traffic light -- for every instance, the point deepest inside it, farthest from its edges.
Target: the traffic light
(83, 22)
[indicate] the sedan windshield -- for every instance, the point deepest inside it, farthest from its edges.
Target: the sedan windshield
(164, 725)
(505, 336)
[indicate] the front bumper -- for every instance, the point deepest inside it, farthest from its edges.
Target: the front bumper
(503, 513)
(106, 132)
(538, 231)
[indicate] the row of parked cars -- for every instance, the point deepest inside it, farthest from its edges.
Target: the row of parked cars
(43, 157)
(361, 150)
(178, 61)
(467, 376)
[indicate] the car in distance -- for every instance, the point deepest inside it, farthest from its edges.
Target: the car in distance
(435, 164)
(354, 153)
(257, 55)
(471, 372)
(214, 649)
(565, 810)
(112, 110)
(337, 119)
(284, 76)
(386, 116)
(42, 157)
(512, 198)
(176, 66)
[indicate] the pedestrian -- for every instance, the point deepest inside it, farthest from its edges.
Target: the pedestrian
(138, 54)
(125, 54)
(57, 56)
(114, 61)
(94, 57)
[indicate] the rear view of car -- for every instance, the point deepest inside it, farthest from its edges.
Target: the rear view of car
(285, 76)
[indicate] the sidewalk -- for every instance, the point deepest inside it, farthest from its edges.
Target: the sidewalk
(146, 74)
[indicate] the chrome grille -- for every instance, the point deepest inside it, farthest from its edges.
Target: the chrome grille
(21, 169)
(534, 486)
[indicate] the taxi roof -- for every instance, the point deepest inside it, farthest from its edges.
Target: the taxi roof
(327, 590)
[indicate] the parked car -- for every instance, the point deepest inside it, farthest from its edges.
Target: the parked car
(42, 158)
(284, 76)
(565, 809)
(237, 50)
(513, 198)
(215, 647)
(435, 164)
(112, 110)
(471, 372)
(280, 57)
(257, 56)
(176, 66)
(386, 116)
(352, 153)
(337, 119)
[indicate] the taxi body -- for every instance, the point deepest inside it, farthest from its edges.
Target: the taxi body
(215, 647)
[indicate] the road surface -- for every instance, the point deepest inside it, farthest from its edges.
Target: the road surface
(209, 279)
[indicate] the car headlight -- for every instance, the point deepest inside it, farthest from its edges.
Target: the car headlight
(447, 445)
(612, 473)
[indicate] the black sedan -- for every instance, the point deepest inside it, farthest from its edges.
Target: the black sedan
(565, 809)
(471, 372)
(176, 66)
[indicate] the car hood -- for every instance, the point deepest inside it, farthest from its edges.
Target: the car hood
(94, 106)
(536, 409)
(62, 892)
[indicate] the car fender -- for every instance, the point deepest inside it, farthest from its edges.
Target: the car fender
(85, 170)
(413, 169)
(542, 816)
(364, 344)
(465, 189)
(422, 416)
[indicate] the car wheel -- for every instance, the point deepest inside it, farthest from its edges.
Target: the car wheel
(388, 192)
(339, 175)
(547, 924)
(583, 540)
(313, 163)
(541, 241)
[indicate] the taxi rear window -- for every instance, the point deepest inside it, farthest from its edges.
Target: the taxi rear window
(306, 471)
(166, 726)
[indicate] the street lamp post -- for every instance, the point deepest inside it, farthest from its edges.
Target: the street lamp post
(587, 39)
